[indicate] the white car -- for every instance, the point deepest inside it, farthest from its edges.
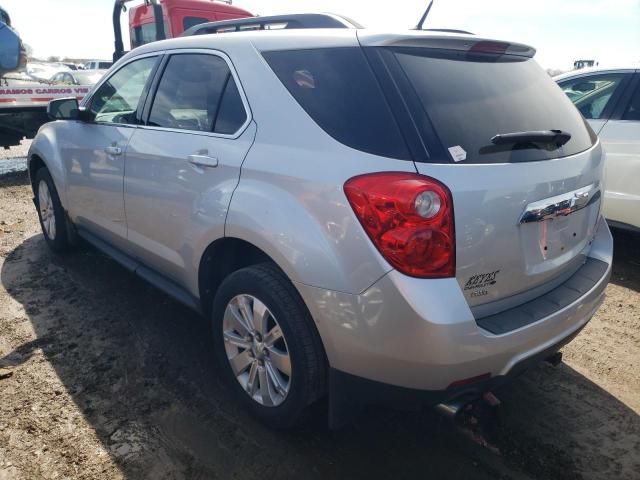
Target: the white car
(609, 98)
(78, 77)
(45, 71)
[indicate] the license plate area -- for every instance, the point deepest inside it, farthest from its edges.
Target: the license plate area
(549, 244)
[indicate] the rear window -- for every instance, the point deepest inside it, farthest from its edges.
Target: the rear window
(146, 33)
(338, 90)
(470, 100)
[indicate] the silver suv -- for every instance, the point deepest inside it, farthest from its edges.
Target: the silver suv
(372, 216)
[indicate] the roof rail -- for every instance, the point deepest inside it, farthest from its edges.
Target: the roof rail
(301, 20)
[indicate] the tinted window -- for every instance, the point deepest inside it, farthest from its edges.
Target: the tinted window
(231, 114)
(470, 100)
(116, 100)
(198, 92)
(336, 87)
(189, 22)
(592, 95)
(633, 109)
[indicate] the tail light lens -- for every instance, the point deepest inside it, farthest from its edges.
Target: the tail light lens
(409, 218)
(484, 46)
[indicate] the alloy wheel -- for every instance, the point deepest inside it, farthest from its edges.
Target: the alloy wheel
(257, 350)
(47, 213)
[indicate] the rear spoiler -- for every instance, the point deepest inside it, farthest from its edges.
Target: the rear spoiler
(274, 22)
(445, 41)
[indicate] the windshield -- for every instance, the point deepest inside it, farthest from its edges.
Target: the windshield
(471, 100)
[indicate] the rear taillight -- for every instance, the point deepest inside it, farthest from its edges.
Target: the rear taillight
(409, 218)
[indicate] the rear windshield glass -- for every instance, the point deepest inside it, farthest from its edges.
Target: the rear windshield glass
(337, 88)
(470, 100)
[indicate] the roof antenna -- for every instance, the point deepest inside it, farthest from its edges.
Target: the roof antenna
(424, 16)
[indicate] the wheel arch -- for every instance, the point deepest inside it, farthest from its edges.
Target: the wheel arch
(35, 164)
(44, 152)
(229, 254)
(221, 258)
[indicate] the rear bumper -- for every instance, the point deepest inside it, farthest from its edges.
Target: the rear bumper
(353, 391)
(421, 334)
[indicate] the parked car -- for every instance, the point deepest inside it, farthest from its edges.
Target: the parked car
(98, 65)
(78, 77)
(44, 71)
(609, 98)
(351, 223)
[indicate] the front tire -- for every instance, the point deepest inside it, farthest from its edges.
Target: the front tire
(50, 212)
(266, 345)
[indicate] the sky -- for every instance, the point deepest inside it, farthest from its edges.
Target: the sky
(561, 30)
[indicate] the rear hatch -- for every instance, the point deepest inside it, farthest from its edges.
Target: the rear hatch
(526, 205)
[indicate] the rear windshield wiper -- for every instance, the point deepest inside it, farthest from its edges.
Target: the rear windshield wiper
(544, 137)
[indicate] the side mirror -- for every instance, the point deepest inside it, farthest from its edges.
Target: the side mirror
(10, 49)
(63, 109)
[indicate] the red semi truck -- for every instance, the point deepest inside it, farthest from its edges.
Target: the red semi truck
(178, 16)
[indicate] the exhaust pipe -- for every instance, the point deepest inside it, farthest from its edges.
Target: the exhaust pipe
(452, 408)
(474, 415)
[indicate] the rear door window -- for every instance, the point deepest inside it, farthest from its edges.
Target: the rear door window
(593, 95)
(198, 92)
(469, 100)
(338, 90)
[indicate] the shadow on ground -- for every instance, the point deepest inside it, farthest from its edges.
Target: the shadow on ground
(138, 367)
(626, 266)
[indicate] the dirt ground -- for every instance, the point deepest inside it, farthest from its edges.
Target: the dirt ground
(102, 376)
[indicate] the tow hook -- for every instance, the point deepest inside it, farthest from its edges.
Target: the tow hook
(476, 418)
(555, 359)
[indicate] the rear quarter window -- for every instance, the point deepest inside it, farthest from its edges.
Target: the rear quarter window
(338, 90)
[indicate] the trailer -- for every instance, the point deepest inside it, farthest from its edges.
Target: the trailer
(23, 106)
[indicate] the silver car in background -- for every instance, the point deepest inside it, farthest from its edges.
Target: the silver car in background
(373, 216)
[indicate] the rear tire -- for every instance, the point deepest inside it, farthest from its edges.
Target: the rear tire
(53, 220)
(262, 327)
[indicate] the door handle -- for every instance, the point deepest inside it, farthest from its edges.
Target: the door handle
(203, 161)
(113, 150)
